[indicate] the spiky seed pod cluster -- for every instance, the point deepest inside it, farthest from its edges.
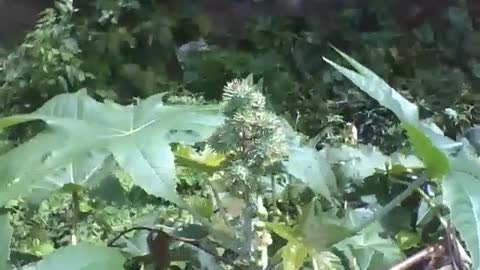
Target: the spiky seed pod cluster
(255, 142)
(251, 132)
(242, 95)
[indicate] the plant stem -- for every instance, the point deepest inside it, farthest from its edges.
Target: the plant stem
(218, 201)
(442, 220)
(392, 204)
(274, 193)
(75, 216)
(248, 226)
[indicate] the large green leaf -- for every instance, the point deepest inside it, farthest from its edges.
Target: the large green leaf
(461, 193)
(88, 170)
(294, 254)
(137, 135)
(322, 230)
(295, 251)
(81, 257)
(6, 231)
(355, 163)
(436, 161)
(368, 249)
(309, 166)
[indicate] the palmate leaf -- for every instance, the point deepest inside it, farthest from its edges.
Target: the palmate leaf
(322, 230)
(295, 251)
(88, 170)
(83, 256)
(137, 136)
(368, 250)
(309, 166)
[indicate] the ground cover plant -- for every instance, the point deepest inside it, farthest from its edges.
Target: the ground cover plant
(125, 145)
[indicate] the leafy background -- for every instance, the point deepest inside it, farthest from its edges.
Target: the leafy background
(136, 52)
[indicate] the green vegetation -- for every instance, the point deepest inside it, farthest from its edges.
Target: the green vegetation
(135, 135)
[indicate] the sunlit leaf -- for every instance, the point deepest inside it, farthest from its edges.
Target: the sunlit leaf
(310, 167)
(407, 240)
(356, 163)
(207, 160)
(436, 161)
(293, 255)
(138, 137)
(203, 206)
(286, 232)
(327, 261)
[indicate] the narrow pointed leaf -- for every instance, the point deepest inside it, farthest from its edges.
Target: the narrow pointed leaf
(378, 89)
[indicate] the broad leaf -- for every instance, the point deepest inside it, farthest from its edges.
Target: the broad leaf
(326, 260)
(6, 231)
(88, 171)
(370, 251)
(284, 231)
(309, 166)
(294, 254)
(207, 160)
(137, 135)
(83, 256)
(461, 193)
(136, 245)
(322, 230)
(436, 161)
(356, 163)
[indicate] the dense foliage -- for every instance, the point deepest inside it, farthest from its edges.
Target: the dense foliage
(150, 135)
